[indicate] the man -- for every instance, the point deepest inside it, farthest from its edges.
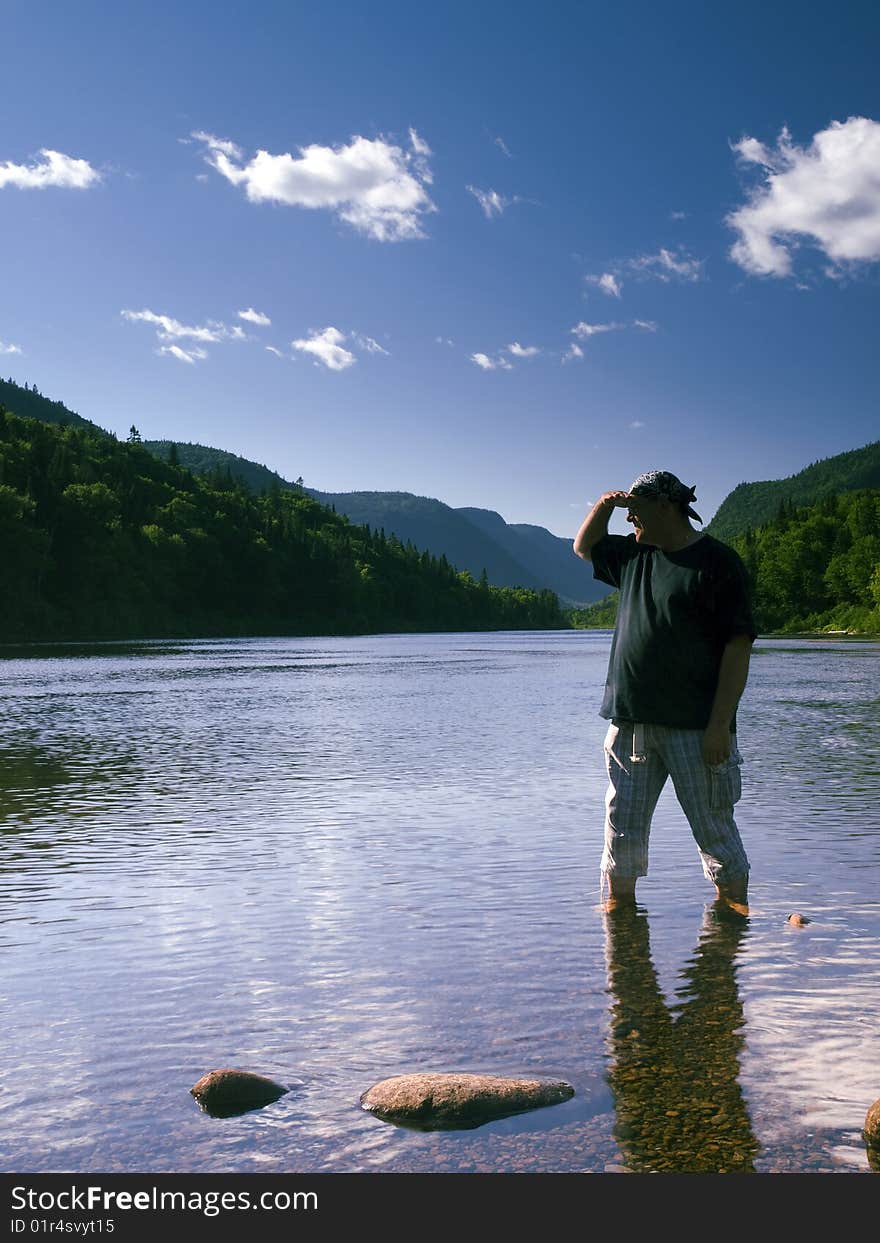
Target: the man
(678, 666)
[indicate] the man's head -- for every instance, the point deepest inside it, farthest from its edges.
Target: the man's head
(661, 507)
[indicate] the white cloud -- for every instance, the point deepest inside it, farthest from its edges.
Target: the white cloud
(636, 425)
(194, 354)
(607, 282)
(647, 324)
(492, 203)
(499, 142)
(56, 169)
(444, 341)
(678, 215)
(371, 184)
(584, 330)
(327, 349)
(574, 351)
(827, 193)
(272, 350)
(9, 349)
(499, 363)
(254, 317)
(522, 351)
(666, 266)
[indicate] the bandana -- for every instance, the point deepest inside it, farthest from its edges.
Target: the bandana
(664, 483)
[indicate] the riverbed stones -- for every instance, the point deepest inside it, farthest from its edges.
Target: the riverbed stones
(432, 1102)
(227, 1091)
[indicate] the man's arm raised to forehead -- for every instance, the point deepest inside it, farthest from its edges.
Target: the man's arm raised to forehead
(595, 526)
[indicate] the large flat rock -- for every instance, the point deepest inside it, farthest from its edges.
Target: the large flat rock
(449, 1101)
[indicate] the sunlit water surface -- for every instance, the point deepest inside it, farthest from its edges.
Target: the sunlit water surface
(335, 860)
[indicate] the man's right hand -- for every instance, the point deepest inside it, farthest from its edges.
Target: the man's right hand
(616, 500)
(595, 525)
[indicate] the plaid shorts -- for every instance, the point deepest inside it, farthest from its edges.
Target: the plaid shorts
(639, 758)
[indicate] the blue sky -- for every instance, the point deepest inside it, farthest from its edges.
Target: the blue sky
(502, 254)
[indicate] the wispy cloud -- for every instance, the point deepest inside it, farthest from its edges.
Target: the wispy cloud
(194, 354)
(499, 142)
(584, 330)
(171, 331)
(372, 184)
(9, 349)
(498, 363)
(667, 265)
(607, 282)
(272, 350)
(636, 425)
(492, 203)
(55, 169)
(255, 317)
(648, 325)
(522, 351)
(678, 215)
(368, 344)
(827, 193)
(574, 351)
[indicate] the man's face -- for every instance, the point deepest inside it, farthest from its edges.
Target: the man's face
(644, 513)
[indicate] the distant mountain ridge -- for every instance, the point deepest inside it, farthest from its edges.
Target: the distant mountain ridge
(754, 504)
(472, 539)
(513, 554)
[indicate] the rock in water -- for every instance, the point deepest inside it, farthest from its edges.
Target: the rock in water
(432, 1102)
(226, 1092)
(872, 1129)
(799, 921)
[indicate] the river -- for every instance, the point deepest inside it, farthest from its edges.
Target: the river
(333, 860)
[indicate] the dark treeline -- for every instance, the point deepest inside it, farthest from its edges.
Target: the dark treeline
(101, 539)
(812, 568)
(817, 567)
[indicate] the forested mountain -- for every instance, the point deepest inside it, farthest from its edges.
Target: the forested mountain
(217, 463)
(818, 567)
(547, 556)
(753, 504)
(471, 539)
(105, 540)
(513, 555)
(30, 403)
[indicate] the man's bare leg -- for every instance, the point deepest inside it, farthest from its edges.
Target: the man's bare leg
(621, 892)
(735, 895)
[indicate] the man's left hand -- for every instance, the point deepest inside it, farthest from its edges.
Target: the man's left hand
(715, 744)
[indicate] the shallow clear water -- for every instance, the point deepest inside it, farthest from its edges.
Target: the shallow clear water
(335, 860)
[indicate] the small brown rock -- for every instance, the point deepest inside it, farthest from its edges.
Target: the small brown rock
(452, 1101)
(226, 1092)
(799, 921)
(872, 1126)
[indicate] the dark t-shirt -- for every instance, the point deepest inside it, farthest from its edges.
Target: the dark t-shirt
(677, 612)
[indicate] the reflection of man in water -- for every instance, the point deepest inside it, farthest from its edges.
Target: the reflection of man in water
(678, 666)
(674, 1069)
